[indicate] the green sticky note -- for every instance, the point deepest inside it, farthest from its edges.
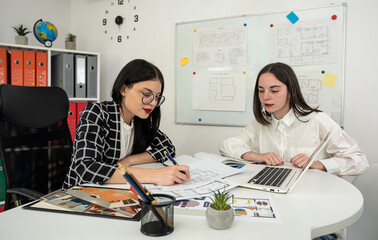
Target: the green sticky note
(329, 80)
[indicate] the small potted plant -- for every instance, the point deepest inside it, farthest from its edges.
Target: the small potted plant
(70, 41)
(219, 213)
(21, 37)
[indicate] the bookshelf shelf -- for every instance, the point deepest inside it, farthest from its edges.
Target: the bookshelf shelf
(51, 53)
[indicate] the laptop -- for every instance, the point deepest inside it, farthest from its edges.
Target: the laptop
(278, 179)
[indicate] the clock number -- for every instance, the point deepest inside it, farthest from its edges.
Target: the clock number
(119, 39)
(136, 18)
(104, 22)
(120, 2)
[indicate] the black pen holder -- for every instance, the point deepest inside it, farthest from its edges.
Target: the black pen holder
(157, 217)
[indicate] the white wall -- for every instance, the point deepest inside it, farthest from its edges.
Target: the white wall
(13, 13)
(154, 40)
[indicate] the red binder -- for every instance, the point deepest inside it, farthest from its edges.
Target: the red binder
(4, 63)
(29, 68)
(41, 69)
(79, 110)
(17, 67)
(71, 120)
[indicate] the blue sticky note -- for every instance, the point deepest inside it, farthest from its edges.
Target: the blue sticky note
(293, 18)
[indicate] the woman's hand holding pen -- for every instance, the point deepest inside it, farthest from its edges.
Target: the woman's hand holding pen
(171, 175)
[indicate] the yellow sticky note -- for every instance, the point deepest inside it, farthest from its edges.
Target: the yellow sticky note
(329, 80)
(184, 61)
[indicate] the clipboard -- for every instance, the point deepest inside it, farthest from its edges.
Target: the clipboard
(62, 202)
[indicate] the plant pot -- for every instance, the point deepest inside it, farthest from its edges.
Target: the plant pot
(219, 219)
(70, 45)
(21, 40)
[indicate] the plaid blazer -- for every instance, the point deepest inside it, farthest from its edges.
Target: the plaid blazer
(97, 146)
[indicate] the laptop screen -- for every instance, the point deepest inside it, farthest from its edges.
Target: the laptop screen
(317, 150)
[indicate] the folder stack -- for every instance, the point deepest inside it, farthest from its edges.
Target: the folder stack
(77, 74)
(27, 68)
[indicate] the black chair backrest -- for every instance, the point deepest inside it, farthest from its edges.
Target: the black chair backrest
(35, 141)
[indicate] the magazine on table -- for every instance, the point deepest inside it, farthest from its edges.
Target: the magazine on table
(92, 201)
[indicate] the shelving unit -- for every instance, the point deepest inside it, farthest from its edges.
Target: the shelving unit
(55, 51)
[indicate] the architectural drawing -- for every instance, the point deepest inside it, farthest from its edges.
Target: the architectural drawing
(305, 43)
(218, 47)
(219, 90)
(206, 177)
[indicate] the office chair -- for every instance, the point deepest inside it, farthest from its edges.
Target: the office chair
(35, 141)
(366, 228)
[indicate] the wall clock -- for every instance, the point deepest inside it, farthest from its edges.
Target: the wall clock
(120, 20)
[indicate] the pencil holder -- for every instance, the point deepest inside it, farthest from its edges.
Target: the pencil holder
(157, 217)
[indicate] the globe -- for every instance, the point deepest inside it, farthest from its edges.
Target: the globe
(45, 32)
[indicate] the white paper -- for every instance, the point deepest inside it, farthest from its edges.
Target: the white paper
(314, 93)
(304, 43)
(247, 207)
(220, 47)
(206, 177)
(219, 91)
(256, 208)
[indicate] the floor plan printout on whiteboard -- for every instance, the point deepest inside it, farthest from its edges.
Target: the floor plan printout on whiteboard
(304, 43)
(219, 91)
(219, 47)
(206, 177)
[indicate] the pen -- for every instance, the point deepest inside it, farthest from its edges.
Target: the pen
(138, 189)
(173, 161)
(170, 158)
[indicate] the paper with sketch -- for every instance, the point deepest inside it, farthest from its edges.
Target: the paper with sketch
(259, 208)
(219, 91)
(220, 46)
(305, 43)
(206, 177)
(247, 207)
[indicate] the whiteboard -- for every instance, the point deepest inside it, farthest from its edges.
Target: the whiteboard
(215, 83)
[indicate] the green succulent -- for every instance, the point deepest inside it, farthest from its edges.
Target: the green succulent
(70, 37)
(220, 199)
(21, 30)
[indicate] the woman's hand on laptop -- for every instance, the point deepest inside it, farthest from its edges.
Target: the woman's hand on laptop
(269, 158)
(301, 159)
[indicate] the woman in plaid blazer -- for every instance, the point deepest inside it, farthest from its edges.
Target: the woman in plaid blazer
(126, 131)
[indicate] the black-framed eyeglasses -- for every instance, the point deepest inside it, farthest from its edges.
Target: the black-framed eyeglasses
(147, 98)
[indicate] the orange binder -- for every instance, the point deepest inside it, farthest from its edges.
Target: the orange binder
(79, 110)
(4, 63)
(17, 67)
(71, 120)
(29, 68)
(41, 69)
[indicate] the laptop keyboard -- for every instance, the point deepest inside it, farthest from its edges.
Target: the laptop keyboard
(270, 176)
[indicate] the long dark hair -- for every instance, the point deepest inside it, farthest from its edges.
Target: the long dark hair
(145, 130)
(285, 74)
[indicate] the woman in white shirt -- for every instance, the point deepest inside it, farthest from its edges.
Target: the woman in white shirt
(287, 129)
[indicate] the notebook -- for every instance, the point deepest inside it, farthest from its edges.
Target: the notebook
(278, 179)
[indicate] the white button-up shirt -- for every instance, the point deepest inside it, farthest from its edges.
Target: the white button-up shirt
(289, 137)
(127, 138)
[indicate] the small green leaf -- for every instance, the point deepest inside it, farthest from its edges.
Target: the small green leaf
(220, 200)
